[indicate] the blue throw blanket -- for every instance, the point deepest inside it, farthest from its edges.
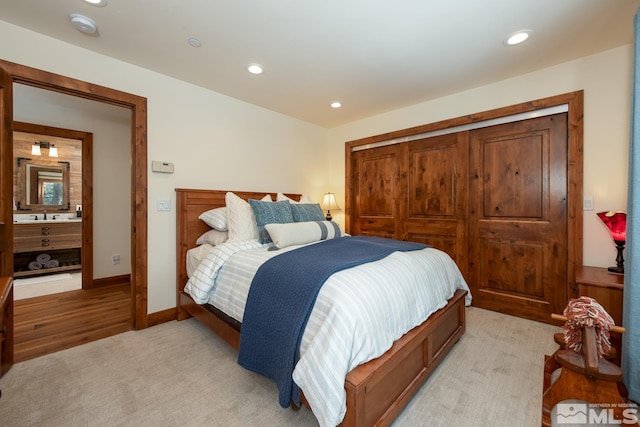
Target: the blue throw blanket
(281, 298)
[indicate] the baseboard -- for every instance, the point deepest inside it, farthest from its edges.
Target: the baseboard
(113, 280)
(163, 316)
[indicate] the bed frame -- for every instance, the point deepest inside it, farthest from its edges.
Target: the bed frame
(378, 390)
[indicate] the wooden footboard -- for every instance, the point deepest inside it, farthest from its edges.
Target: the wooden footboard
(376, 391)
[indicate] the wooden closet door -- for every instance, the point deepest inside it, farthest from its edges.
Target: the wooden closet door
(377, 191)
(518, 217)
(437, 196)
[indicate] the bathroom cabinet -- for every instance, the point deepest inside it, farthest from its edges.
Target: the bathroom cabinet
(61, 240)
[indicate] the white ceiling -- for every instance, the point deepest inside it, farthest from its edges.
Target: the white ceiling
(371, 55)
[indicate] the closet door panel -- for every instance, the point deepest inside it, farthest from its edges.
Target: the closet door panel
(518, 217)
(378, 186)
(437, 194)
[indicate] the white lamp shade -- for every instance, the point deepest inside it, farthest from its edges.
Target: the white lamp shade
(35, 149)
(53, 151)
(329, 202)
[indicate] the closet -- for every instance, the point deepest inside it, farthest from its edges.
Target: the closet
(499, 197)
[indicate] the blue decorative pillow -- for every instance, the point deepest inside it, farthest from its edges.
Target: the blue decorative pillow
(270, 213)
(303, 212)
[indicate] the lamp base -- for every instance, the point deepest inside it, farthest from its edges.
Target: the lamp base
(617, 270)
(329, 217)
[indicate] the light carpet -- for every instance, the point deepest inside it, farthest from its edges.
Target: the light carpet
(180, 373)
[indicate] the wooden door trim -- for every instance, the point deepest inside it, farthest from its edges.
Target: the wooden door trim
(575, 172)
(138, 106)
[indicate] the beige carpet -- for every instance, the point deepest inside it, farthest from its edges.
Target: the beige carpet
(180, 374)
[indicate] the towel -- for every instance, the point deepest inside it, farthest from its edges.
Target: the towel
(43, 258)
(52, 263)
(35, 265)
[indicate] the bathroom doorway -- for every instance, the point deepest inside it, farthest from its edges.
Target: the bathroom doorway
(137, 107)
(52, 187)
(93, 140)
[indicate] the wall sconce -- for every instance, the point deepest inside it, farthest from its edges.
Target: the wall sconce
(36, 149)
(616, 222)
(328, 203)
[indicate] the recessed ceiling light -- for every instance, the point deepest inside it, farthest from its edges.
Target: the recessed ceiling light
(194, 42)
(517, 37)
(99, 3)
(255, 69)
(336, 104)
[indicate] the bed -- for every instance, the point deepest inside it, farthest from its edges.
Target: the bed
(376, 391)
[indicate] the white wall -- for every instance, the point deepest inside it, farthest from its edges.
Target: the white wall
(606, 81)
(214, 141)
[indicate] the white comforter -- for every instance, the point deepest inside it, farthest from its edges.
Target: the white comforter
(357, 316)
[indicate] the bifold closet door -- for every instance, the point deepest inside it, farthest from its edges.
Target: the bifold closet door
(518, 217)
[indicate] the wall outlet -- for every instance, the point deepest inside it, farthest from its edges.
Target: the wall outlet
(115, 259)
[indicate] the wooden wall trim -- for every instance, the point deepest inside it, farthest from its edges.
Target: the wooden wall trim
(575, 171)
(138, 106)
(163, 316)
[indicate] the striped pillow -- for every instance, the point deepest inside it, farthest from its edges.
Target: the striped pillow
(300, 233)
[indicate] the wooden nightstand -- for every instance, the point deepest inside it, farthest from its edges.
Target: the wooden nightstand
(606, 288)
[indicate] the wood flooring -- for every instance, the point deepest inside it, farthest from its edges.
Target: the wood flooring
(51, 323)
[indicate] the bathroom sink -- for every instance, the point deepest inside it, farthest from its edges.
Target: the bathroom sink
(45, 221)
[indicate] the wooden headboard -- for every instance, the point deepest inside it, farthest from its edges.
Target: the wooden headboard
(190, 204)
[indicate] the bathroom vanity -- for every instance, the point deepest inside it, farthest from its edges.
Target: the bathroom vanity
(60, 239)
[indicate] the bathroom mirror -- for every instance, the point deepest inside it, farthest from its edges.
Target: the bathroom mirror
(47, 169)
(42, 186)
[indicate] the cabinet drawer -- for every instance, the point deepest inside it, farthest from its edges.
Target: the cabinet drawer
(32, 230)
(52, 236)
(40, 243)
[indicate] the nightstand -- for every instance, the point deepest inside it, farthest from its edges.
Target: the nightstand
(606, 288)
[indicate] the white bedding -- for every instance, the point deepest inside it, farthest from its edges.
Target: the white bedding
(357, 316)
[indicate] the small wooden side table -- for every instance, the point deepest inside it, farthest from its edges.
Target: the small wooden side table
(607, 288)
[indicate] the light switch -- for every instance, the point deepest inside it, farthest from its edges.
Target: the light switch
(587, 203)
(163, 205)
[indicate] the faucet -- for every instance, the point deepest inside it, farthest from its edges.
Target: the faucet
(45, 214)
(54, 217)
(35, 217)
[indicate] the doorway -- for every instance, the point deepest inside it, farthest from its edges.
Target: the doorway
(53, 253)
(137, 105)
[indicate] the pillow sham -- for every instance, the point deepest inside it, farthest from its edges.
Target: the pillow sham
(300, 233)
(304, 199)
(270, 213)
(215, 218)
(303, 212)
(240, 219)
(213, 237)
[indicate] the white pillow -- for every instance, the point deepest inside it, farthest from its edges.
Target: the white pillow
(215, 218)
(240, 219)
(304, 199)
(213, 237)
(299, 233)
(195, 256)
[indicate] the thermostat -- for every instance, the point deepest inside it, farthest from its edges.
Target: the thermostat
(163, 167)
